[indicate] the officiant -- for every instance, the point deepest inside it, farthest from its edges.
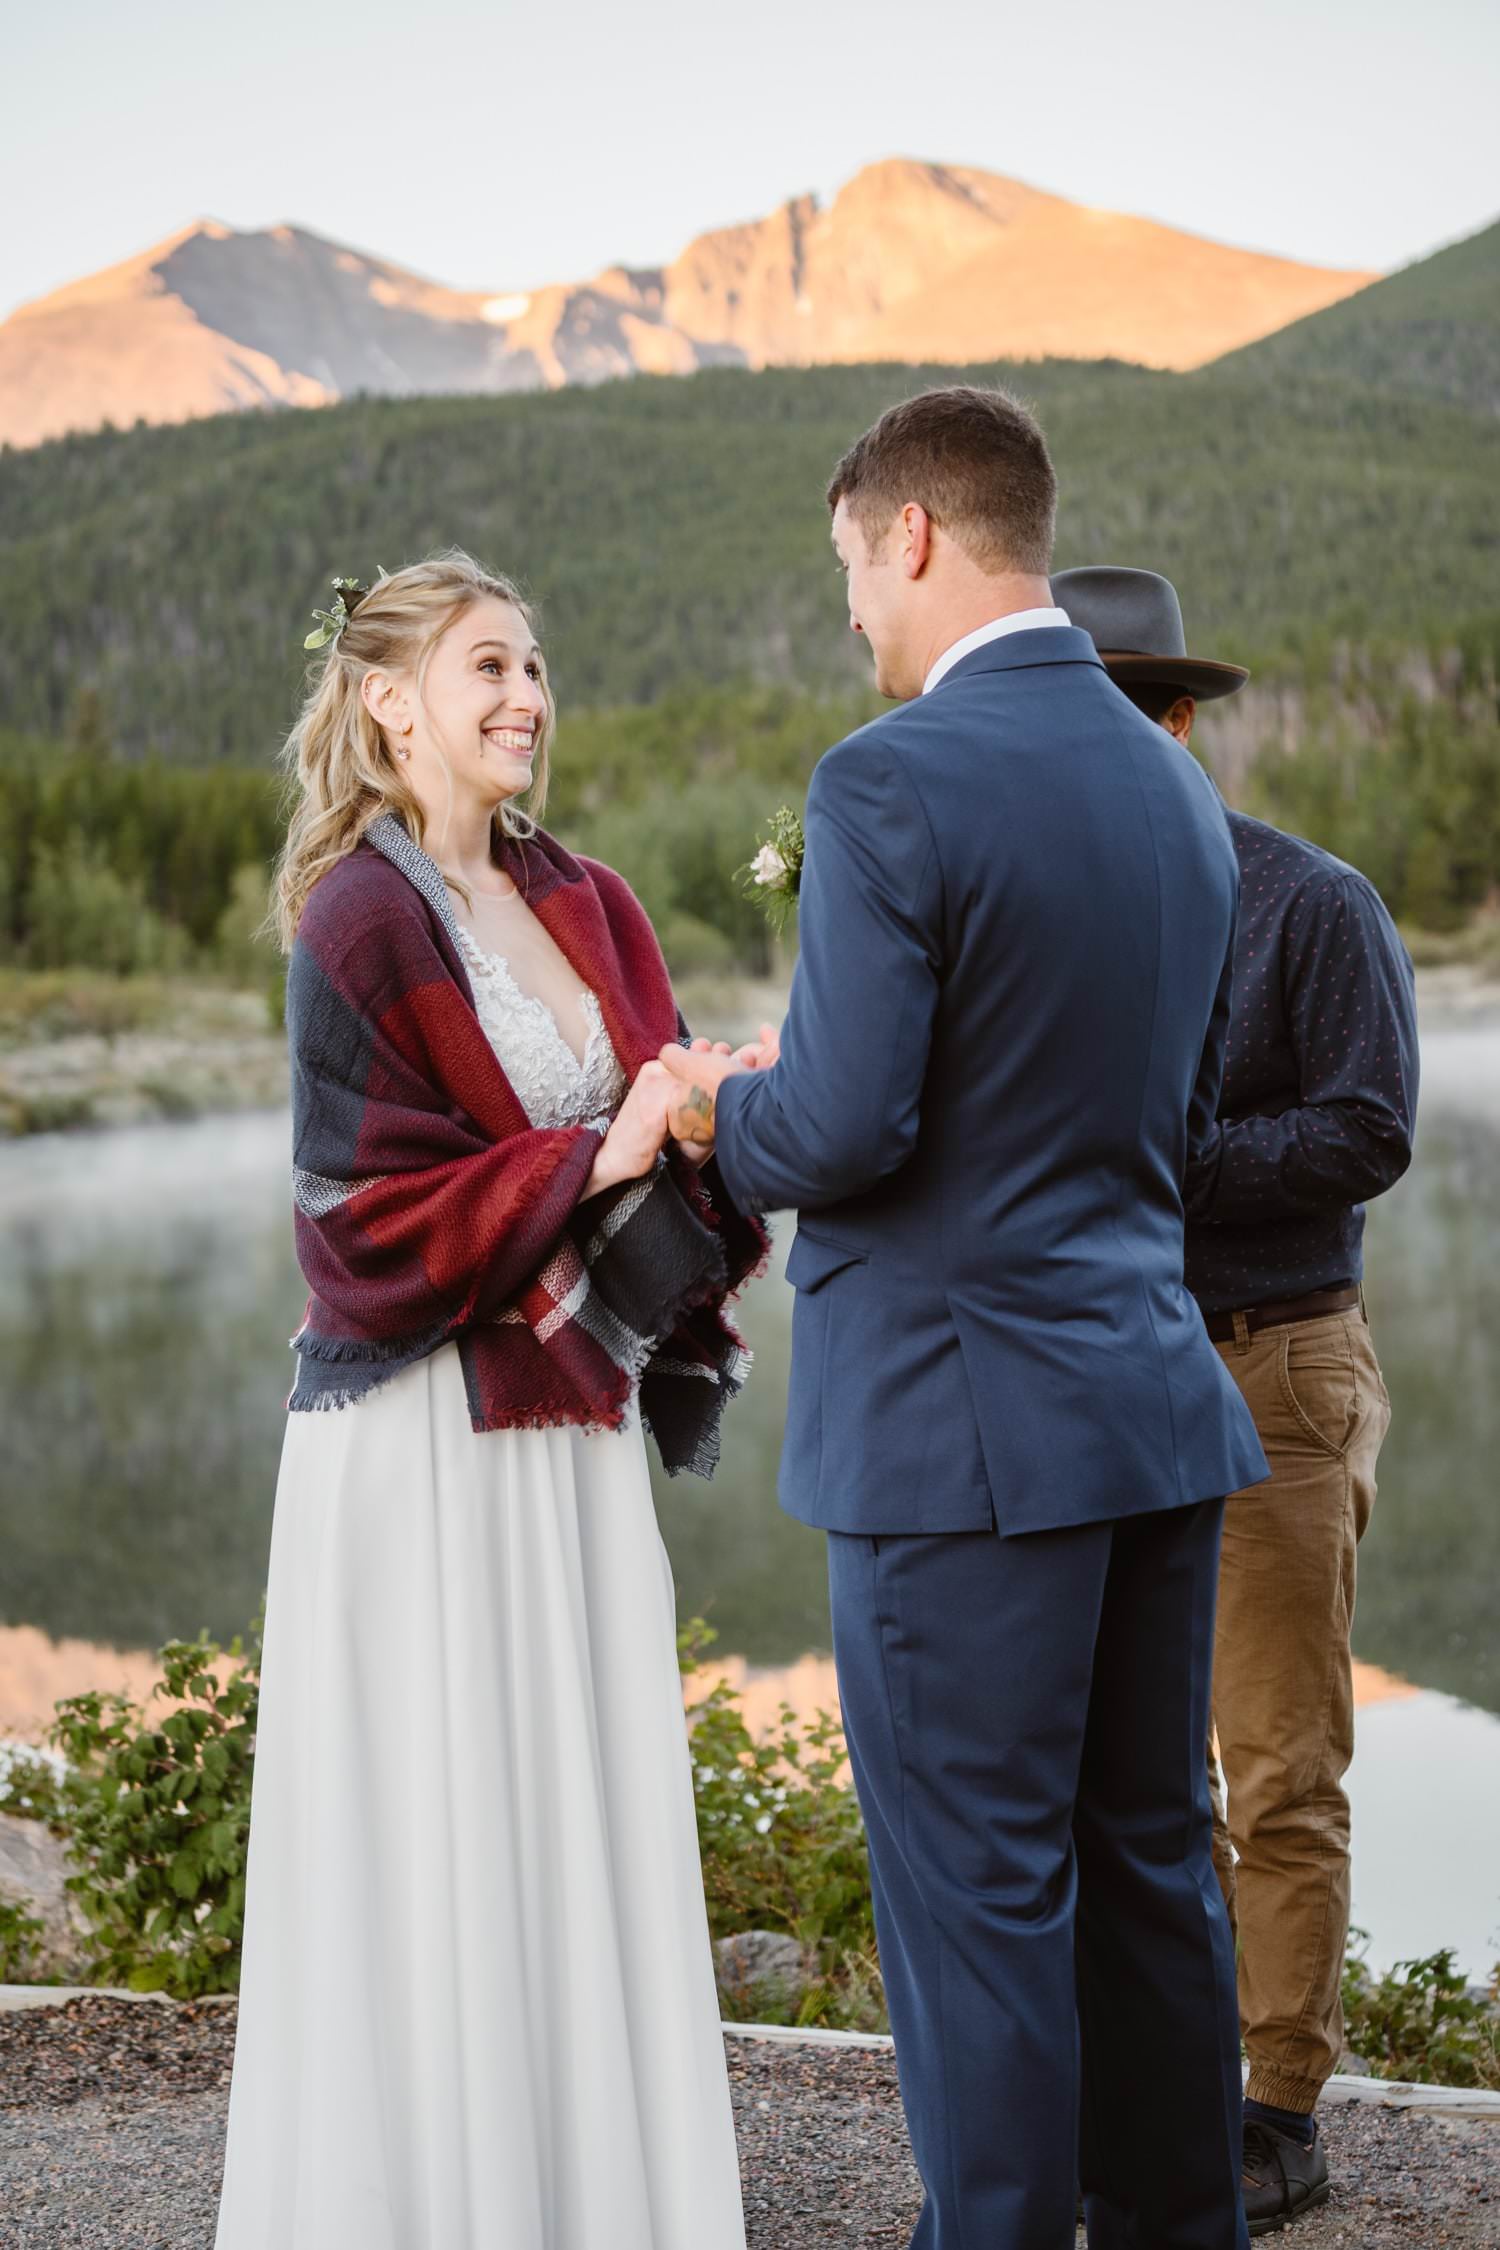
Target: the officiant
(1315, 1117)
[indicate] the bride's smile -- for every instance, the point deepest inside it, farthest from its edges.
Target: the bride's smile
(517, 740)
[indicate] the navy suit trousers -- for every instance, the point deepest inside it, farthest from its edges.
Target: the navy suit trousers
(1025, 1719)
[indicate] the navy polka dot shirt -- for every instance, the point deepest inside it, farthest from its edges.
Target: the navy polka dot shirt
(1320, 1079)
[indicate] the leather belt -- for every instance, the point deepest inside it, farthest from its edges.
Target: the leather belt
(1316, 1305)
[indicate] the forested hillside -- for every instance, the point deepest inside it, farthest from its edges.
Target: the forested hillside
(1328, 520)
(1431, 331)
(674, 531)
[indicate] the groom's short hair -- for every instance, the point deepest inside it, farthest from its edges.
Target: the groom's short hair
(974, 458)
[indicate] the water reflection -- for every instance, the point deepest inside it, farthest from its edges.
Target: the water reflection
(1430, 1563)
(148, 1287)
(147, 1290)
(1426, 1812)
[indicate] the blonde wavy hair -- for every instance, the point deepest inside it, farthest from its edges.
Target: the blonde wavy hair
(342, 771)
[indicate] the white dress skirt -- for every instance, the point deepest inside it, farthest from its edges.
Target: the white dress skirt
(477, 2003)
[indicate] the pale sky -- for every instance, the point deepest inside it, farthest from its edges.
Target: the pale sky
(503, 146)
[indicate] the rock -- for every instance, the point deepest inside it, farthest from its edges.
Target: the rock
(33, 1864)
(760, 1968)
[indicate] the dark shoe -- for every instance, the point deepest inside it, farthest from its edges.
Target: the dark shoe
(1282, 2178)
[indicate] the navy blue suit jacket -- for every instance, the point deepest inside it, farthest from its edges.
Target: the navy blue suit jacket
(1006, 1032)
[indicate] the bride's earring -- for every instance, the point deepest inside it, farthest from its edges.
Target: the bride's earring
(402, 750)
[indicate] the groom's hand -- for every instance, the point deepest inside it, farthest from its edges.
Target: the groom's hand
(699, 1071)
(696, 1153)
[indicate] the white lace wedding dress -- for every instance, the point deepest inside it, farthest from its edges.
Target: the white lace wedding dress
(477, 2007)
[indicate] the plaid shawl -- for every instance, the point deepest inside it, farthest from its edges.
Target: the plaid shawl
(427, 1205)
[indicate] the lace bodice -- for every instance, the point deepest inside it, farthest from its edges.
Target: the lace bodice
(553, 1087)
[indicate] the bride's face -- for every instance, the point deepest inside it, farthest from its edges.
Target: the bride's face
(481, 704)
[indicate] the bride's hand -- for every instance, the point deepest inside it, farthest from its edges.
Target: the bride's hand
(762, 1053)
(635, 1139)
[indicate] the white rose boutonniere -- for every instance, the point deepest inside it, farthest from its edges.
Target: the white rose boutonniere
(774, 875)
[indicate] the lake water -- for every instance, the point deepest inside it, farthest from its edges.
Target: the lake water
(148, 1288)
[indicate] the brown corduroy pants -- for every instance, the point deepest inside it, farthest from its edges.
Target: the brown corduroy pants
(1283, 1700)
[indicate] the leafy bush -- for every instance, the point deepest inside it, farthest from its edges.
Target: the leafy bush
(241, 949)
(158, 1819)
(31, 1782)
(20, 1943)
(244, 952)
(1420, 2021)
(782, 1842)
(681, 850)
(38, 1005)
(693, 947)
(81, 911)
(157, 1823)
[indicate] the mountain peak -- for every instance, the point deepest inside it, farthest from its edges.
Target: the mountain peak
(911, 260)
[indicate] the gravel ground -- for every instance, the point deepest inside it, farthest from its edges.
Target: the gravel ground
(112, 2124)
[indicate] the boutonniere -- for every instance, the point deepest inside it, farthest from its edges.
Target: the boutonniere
(774, 876)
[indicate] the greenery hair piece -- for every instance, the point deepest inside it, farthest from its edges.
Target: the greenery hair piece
(347, 592)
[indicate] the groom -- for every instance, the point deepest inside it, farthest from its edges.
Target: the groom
(1004, 1041)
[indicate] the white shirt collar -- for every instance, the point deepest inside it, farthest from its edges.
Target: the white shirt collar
(1019, 621)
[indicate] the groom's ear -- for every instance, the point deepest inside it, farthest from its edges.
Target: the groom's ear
(915, 533)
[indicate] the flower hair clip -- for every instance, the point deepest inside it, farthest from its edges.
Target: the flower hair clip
(347, 593)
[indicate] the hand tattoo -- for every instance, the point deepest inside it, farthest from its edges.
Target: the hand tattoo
(694, 1121)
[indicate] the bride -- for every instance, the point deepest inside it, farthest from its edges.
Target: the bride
(477, 2006)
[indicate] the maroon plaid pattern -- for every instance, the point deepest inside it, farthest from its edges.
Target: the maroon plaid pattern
(427, 1205)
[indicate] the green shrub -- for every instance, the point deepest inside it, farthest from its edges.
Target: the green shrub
(157, 1823)
(39, 1005)
(158, 1818)
(242, 951)
(681, 849)
(1420, 2021)
(694, 948)
(22, 1114)
(782, 1842)
(31, 1783)
(20, 1944)
(81, 911)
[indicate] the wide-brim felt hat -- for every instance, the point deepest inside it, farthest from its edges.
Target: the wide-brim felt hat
(1135, 622)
